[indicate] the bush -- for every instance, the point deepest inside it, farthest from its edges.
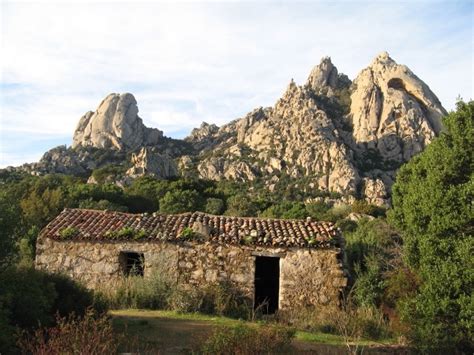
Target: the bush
(432, 206)
(72, 297)
(178, 201)
(244, 339)
(346, 225)
(318, 210)
(240, 205)
(348, 320)
(68, 232)
(153, 292)
(224, 300)
(72, 335)
(214, 206)
(186, 300)
(29, 298)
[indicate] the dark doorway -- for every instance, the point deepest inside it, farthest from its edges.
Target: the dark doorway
(267, 283)
(132, 263)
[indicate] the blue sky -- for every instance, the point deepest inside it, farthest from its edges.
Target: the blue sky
(188, 62)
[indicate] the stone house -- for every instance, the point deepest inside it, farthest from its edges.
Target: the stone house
(287, 263)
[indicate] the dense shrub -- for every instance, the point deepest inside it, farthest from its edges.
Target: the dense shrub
(240, 205)
(90, 334)
(432, 206)
(29, 298)
(71, 297)
(159, 292)
(179, 201)
(318, 210)
(363, 207)
(348, 320)
(214, 206)
(102, 174)
(152, 292)
(244, 339)
(225, 300)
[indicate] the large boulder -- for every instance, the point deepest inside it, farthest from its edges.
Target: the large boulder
(115, 125)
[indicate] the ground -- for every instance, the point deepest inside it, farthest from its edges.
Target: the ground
(176, 333)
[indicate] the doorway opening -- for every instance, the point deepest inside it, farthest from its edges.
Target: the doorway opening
(267, 283)
(132, 263)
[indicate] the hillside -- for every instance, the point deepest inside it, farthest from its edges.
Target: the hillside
(330, 134)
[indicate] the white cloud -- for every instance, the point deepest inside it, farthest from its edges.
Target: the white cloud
(192, 61)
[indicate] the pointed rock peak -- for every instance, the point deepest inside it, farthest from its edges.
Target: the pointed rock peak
(323, 75)
(292, 84)
(325, 60)
(115, 125)
(383, 58)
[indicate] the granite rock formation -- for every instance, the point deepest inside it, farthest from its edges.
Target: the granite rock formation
(115, 125)
(148, 161)
(341, 136)
(329, 134)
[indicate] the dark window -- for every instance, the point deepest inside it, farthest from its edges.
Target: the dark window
(267, 283)
(132, 263)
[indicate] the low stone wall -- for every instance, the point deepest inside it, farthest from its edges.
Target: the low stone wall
(308, 277)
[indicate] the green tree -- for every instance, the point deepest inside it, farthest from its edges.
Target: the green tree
(9, 213)
(286, 209)
(214, 206)
(433, 207)
(240, 205)
(178, 201)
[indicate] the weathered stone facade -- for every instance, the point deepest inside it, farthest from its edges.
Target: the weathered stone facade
(308, 277)
(299, 262)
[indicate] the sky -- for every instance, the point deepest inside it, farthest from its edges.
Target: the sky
(189, 62)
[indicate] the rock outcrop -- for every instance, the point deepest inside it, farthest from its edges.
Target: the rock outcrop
(329, 134)
(340, 136)
(148, 161)
(393, 111)
(115, 125)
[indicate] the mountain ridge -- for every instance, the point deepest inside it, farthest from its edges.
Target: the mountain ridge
(331, 133)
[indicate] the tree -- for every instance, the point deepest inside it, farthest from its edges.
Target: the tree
(214, 206)
(9, 212)
(432, 207)
(240, 205)
(178, 201)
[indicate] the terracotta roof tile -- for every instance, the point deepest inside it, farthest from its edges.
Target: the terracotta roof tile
(102, 225)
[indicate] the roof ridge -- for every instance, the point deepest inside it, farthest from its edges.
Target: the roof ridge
(195, 213)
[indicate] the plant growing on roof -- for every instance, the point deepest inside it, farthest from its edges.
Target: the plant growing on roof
(187, 233)
(248, 239)
(68, 232)
(126, 233)
(311, 240)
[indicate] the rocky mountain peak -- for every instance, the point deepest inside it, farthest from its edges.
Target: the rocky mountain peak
(329, 134)
(115, 125)
(393, 111)
(383, 57)
(323, 75)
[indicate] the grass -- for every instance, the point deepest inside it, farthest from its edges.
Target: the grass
(175, 331)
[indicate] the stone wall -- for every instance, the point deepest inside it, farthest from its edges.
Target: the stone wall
(307, 276)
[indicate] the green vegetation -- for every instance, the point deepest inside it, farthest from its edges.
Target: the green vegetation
(410, 276)
(187, 233)
(126, 233)
(101, 175)
(432, 207)
(163, 328)
(29, 298)
(68, 232)
(244, 339)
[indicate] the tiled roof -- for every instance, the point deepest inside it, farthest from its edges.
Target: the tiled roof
(82, 224)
